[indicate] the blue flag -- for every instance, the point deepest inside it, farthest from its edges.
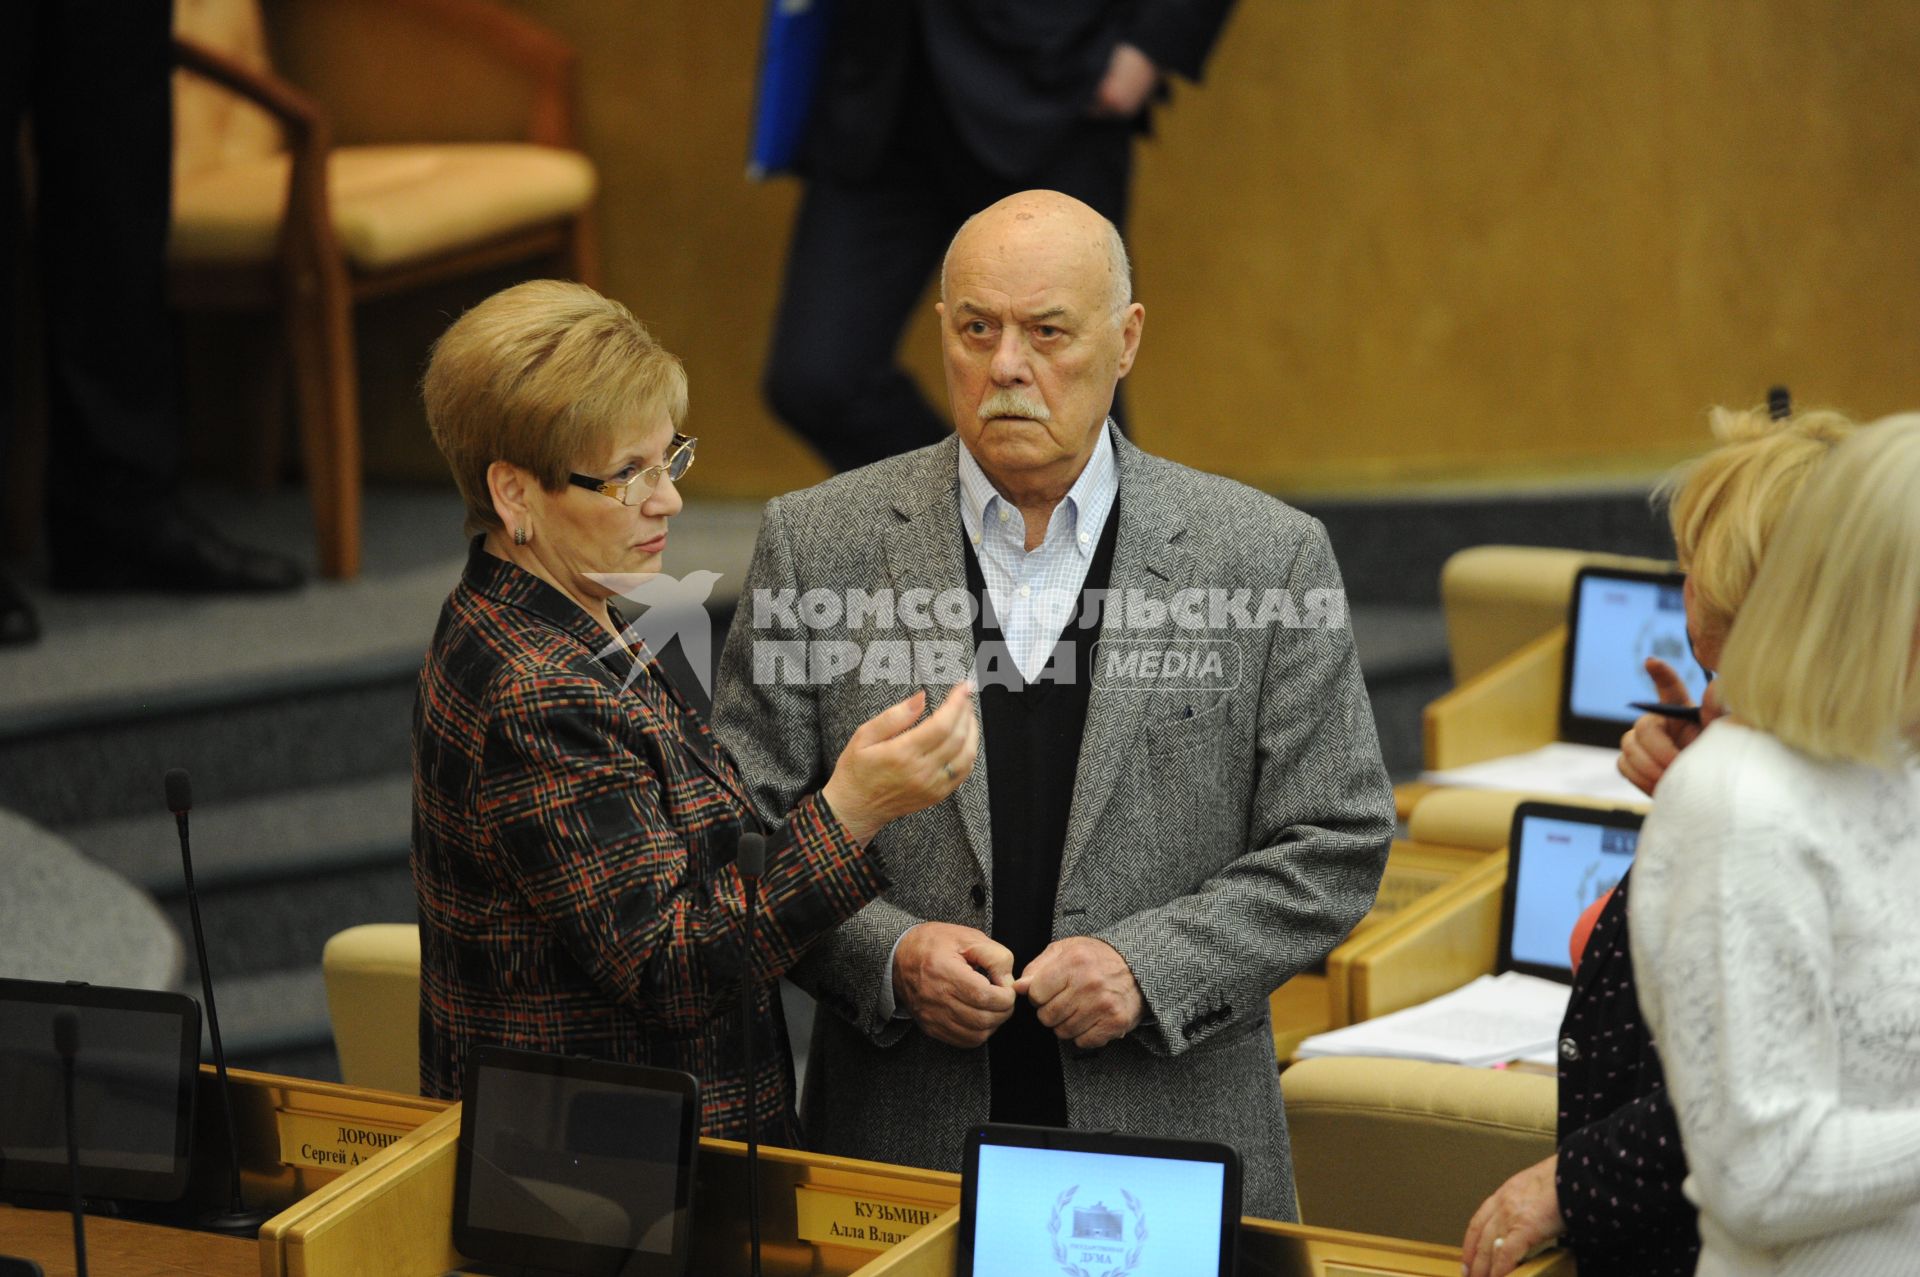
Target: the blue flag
(796, 44)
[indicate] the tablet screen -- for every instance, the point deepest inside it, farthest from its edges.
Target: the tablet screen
(1047, 1209)
(1559, 865)
(1621, 620)
(136, 1055)
(580, 1166)
(577, 1161)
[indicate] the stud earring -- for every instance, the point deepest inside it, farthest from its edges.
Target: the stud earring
(519, 536)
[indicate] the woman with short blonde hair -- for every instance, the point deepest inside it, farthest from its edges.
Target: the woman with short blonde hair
(536, 376)
(1824, 656)
(1724, 507)
(575, 822)
(1776, 879)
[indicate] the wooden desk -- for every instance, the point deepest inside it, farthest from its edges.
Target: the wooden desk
(1407, 795)
(123, 1248)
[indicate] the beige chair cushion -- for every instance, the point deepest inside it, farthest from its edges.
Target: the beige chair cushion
(392, 205)
(1404, 1148)
(373, 998)
(1483, 818)
(1497, 598)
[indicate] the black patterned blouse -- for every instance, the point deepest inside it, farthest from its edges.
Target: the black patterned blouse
(1620, 1165)
(574, 831)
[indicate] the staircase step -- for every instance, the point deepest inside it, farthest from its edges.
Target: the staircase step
(267, 1012)
(91, 772)
(175, 655)
(282, 924)
(297, 834)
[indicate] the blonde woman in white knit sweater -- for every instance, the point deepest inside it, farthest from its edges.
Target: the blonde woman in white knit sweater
(1773, 914)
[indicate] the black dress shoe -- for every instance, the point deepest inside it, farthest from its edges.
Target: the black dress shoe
(175, 553)
(18, 624)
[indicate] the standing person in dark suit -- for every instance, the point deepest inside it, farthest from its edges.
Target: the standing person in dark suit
(928, 110)
(1612, 1187)
(96, 79)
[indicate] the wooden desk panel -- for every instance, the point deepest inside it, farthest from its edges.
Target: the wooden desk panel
(123, 1248)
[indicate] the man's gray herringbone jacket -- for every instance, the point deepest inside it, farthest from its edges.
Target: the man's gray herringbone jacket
(1222, 837)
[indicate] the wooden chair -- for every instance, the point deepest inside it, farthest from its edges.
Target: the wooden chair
(272, 212)
(1405, 1148)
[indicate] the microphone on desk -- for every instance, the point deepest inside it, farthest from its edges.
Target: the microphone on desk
(66, 1044)
(751, 859)
(236, 1219)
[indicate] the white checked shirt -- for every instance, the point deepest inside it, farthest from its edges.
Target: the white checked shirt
(1035, 594)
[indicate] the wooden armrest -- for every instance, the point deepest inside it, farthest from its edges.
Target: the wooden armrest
(1434, 945)
(297, 113)
(309, 136)
(1510, 707)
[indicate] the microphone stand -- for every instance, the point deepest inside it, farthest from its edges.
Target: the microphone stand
(66, 1041)
(752, 862)
(236, 1220)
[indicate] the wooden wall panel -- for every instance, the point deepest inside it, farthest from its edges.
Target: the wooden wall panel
(1390, 241)
(1488, 238)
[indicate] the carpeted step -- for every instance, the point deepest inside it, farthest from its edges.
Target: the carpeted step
(295, 834)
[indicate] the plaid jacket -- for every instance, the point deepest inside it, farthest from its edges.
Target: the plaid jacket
(573, 843)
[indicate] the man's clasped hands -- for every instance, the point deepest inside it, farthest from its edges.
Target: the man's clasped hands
(958, 984)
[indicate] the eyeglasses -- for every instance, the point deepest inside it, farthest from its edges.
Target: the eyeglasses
(637, 489)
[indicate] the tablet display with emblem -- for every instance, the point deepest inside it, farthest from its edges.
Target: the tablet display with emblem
(1560, 859)
(1619, 618)
(1037, 1200)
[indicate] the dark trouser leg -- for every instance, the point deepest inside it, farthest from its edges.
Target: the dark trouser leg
(17, 24)
(103, 130)
(17, 621)
(1097, 169)
(859, 259)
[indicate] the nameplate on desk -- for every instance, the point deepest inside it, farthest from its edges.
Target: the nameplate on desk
(1341, 1268)
(331, 1142)
(834, 1217)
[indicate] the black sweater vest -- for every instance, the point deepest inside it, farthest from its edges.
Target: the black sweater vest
(1032, 736)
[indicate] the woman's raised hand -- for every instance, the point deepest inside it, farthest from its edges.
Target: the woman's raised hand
(897, 763)
(1654, 741)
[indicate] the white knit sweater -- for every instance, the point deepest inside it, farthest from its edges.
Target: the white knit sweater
(1776, 941)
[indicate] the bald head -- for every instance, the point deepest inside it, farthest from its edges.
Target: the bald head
(1037, 329)
(1083, 242)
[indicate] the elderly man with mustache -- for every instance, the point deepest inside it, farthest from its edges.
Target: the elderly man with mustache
(1178, 800)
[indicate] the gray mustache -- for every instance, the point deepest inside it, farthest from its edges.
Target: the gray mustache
(1011, 403)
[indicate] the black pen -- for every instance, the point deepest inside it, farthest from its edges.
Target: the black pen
(1685, 713)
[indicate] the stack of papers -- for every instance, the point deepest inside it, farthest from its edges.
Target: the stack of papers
(1558, 770)
(1490, 1021)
